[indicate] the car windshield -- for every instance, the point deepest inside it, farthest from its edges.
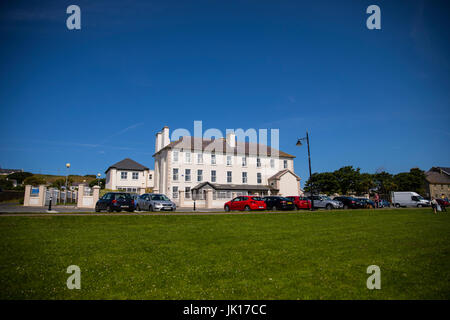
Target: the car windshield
(159, 197)
(257, 198)
(285, 199)
(326, 198)
(121, 196)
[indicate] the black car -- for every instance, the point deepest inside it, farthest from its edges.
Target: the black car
(350, 202)
(278, 203)
(115, 201)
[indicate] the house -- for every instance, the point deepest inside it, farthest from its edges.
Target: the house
(128, 175)
(438, 182)
(193, 165)
(5, 172)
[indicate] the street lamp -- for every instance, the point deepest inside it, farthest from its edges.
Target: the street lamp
(98, 179)
(299, 144)
(67, 175)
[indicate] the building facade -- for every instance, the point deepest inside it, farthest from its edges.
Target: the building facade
(438, 182)
(128, 175)
(193, 165)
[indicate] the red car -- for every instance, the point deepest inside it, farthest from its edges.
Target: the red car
(246, 203)
(300, 202)
(442, 202)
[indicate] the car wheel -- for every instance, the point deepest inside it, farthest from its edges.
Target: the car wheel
(131, 210)
(110, 209)
(227, 208)
(97, 209)
(397, 205)
(274, 208)
(247, 208)
(150, 208)
(419, 206)
(118, 210)
(345, 206)
(329, 207)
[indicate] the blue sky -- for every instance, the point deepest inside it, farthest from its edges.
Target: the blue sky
(369, 98)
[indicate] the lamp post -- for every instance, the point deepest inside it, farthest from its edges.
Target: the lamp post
(298, 144)
(98, 179)
(67, 175)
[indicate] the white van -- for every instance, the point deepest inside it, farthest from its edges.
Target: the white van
(408, 199)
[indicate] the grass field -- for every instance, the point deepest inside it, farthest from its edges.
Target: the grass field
(321, 255)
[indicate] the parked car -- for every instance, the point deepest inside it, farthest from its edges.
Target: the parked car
(408, 199)
(246, 203)
(300, 202)
(442, 202)
(326, 202)
(384, 204)
(366, 203)
(135, 198)
(278, 203)
(350, 202)
(115, 201)
(155, 202)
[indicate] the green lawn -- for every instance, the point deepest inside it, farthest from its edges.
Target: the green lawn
(321, 255)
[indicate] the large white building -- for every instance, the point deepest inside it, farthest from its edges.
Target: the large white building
(128, 175)
(193, 165)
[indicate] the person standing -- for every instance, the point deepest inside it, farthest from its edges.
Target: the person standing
(434, 205)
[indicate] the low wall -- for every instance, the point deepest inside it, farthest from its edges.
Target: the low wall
(8, 195)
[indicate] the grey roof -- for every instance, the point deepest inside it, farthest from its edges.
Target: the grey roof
(218, 186)
(128, 164)
(221, 146)
(438, 175)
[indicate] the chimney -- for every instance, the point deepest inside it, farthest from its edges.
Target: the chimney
(165, 137)
(158, 141)
(231, 139)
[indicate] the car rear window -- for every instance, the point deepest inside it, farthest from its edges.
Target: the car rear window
(257, 198)
(122, 196)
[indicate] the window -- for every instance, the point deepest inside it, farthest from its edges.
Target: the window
(244, 161)
(199, 175)
(258, 178)
(187, 175)
(150, 176)
(258, 162)
(272, 163)
(123, 175)
(244, 177)
(213, 159)
(175, 156)
(213, 175)
(229, 161)
(187, 157)
(175, 174)
(187, 192)
(175, 192)
(285, 164)
(199, 158)
(229, 176)
(135, 175)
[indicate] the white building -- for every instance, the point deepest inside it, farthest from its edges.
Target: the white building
(193, 165)
(128, 175)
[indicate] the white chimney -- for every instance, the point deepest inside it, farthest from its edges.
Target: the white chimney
(158, 142)
(165, 137)
(231, 139)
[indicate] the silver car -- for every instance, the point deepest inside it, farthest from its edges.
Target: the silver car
(155, 202)
(327, 203)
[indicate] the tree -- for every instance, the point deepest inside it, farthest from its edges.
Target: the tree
(324, 182)
(95, 183)
(34, 180)
(19, 176)
(384, 182)
(364, 183)
(58, 183)
(348, 178)
(410, 181)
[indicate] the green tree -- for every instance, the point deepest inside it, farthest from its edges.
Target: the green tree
(34, 180)
(384, 183)
(324, 182)
(413, 180)
(95, 183)
(348, 178)
(364, 183)
(58, 183)
(19, 176)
